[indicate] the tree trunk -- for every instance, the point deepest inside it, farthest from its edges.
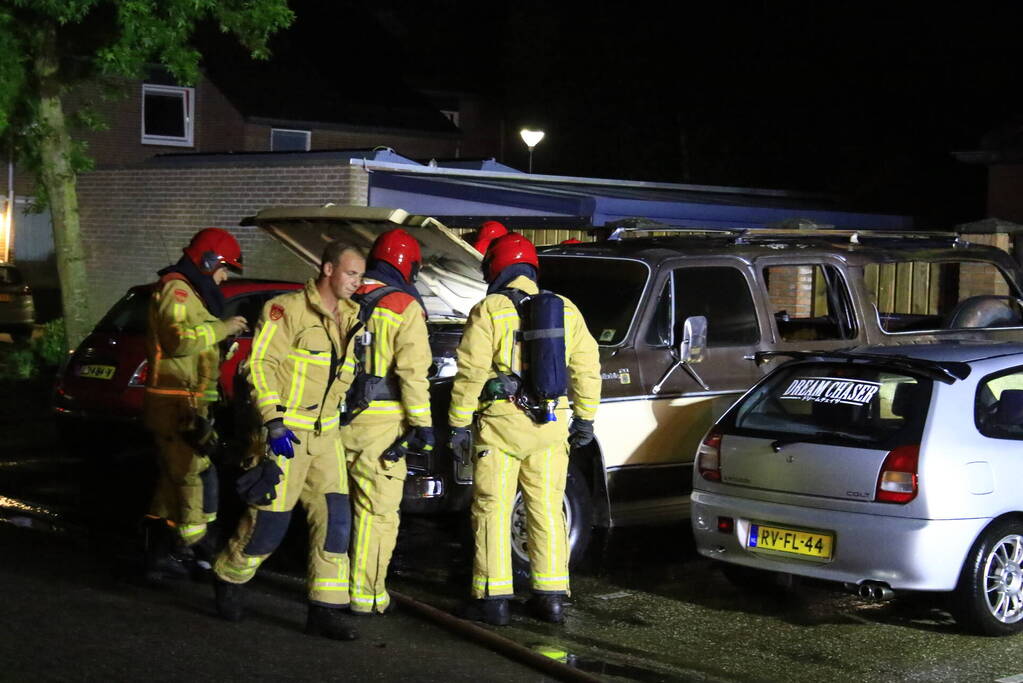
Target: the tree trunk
(58, 177)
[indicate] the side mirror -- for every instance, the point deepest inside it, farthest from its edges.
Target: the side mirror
(690, 350)
(694, 339)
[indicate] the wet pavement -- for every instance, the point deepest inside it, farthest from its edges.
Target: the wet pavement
(645, 607)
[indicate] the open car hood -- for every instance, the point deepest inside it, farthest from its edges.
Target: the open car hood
(450, 279)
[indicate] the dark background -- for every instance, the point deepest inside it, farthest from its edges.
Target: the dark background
(867, 101)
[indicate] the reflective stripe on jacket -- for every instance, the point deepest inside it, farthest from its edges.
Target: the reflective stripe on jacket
(181, 343)
(489, 346)
(400, 348)
(290, 364)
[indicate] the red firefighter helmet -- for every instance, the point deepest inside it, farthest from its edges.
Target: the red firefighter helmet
(212, 248)
(507, 251)
(401, 250)
(489, 231)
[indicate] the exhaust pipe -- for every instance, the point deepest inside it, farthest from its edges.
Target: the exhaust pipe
(875, 591)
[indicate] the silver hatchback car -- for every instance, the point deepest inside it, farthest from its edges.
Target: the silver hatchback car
(886, 468)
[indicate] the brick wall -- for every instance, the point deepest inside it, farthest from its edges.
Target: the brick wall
(136, 220)
(218, 125)
(791, 290)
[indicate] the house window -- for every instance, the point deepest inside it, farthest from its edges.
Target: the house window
(168, 114)
(286, 140)
(451, 115)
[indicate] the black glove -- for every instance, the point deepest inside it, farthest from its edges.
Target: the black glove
(460, 443)
(580, 432)
(202, 437)
(279, 438)
(256, 486)
(422, 439)
(414, 439)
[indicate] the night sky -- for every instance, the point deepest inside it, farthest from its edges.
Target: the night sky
(867, 101)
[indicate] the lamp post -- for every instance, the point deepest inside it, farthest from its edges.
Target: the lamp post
(532, 138)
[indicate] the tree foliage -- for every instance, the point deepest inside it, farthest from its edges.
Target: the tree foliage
(48, 48)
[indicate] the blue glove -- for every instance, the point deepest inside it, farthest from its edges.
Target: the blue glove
(280, 438)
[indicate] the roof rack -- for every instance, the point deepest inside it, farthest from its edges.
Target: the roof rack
(806, 233)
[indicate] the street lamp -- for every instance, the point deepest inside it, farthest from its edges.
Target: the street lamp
(532, 138)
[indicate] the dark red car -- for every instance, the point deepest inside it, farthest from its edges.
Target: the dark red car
(105, 377)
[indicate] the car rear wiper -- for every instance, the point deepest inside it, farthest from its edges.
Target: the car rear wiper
(942, 371)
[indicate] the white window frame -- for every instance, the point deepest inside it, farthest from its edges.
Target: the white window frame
(308, 136)
(188, 111)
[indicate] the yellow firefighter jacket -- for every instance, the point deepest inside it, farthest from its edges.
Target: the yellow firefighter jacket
(181, 346)
(489, 345)
(295, 369)
(399, 350)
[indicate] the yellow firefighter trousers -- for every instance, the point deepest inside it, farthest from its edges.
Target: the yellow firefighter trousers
(186, 488)
(376, 496)
(317, 478)
(541, 476)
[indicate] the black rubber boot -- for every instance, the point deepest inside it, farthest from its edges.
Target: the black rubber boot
(494, 611)
(547, 608)
(165, 556)
(230, 603)
(328, 622)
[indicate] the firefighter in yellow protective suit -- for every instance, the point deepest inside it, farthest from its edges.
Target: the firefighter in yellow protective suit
(517, 444)
(389, 408)
(184, 327)
(298, 382)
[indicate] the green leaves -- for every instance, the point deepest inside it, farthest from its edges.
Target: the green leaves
(159, 31)
(119, 38)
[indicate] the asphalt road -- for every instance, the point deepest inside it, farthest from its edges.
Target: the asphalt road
(645, 607)
(67, 616)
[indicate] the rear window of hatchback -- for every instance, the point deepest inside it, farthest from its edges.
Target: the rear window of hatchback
(998, 409)
(844, 404)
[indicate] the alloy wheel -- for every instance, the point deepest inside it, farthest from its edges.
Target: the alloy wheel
(1003, 579)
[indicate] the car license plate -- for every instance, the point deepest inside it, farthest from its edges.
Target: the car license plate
(811, 544)
(6, 297)
(97, 371)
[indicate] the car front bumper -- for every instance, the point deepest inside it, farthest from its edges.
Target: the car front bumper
(904, 553)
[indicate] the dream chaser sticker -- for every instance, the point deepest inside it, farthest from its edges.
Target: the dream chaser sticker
(853, 392)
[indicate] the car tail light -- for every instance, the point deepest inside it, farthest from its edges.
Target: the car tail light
(708, 458)
(141, 374)
(897, 482)
(726, 525)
